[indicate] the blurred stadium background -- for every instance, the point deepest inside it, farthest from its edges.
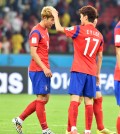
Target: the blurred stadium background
(17, 17)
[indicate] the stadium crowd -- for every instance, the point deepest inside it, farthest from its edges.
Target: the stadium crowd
(17, 17)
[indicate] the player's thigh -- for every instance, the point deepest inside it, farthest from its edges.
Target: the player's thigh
(90, 87)
(117, 91)
(98, 92)
(75, 98)
(40, 83)
(88, 101)
(77, 82)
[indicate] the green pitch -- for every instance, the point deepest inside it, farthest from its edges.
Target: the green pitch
(12, 105)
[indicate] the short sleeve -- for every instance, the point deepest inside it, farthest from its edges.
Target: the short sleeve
(72, 31)
(101, 46)
(117, 35)
(34, 38)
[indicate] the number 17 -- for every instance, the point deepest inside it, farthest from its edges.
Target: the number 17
(87, 46)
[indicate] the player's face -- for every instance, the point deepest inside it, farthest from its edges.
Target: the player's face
(83, 19)
(50, 22)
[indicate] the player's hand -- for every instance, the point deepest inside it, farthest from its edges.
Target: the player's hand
(98, 80)
(54, 12)
(47, 72)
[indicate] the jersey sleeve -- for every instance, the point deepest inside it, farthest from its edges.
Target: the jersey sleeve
(101, 46)
(117, 35)
(72, 31)
(34, 38)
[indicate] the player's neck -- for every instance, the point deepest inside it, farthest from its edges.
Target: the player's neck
(89, 23)
(42, 24)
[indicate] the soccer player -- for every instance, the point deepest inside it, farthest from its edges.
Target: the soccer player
(39, 72)
(97, 103)
(117, 71)
(98, 112)
(87, 43)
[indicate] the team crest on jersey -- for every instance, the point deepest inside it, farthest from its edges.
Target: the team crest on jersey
(69, 28)
(34, 40)
(117, 39)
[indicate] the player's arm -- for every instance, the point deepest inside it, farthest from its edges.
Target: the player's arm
(117, 45)
(99, 64)
(37, 59)
(58, 26)
(118, 55)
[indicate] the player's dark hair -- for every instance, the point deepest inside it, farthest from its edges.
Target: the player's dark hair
(89, 11)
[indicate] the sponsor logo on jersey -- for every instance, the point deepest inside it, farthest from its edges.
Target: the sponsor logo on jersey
(69, 28)
(117, 39)
(34, 40)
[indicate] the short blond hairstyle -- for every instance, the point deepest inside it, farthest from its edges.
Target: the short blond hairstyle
(46, 12)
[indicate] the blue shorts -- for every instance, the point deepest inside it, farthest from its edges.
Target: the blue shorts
(117, 91)
(82, 84)
(98, 89)
(40, 83)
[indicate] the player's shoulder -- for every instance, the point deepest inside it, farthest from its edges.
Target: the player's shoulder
(101, 36)
(36, 27)
(117, 25)
(71, 28)
(35, 31)
(100, 33)
(81, 26)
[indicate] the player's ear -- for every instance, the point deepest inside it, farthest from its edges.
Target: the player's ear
(95, 22)
(44, 18)
(86, 17)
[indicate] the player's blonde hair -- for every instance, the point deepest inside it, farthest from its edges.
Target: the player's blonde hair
(46, 12)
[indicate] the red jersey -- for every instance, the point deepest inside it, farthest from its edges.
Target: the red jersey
(87, 42)
(117, 44)
(39, 38)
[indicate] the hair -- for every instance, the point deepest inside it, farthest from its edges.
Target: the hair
(46, 12)
(89, 11)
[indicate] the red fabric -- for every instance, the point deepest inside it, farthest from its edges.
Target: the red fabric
(72, 114)
(68, 125)
(42, 44)
(88, 116)
(28, 111)
(117, 32)
(87, 42)
(117, 43)
(41, 114)
(97, 108)
(118, 125)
